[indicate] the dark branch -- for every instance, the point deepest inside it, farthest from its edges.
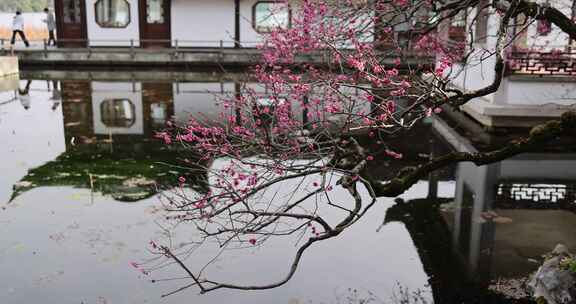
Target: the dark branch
(546, 12)
(539, 135)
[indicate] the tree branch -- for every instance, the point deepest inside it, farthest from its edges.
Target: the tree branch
(549, 13)
(538, 136)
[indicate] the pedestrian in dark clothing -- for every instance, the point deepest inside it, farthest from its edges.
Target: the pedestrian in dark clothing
(18, 28)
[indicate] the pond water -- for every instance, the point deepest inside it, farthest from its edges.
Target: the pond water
(70, 226)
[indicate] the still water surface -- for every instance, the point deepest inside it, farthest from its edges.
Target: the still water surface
(61, 242)
(66, 244)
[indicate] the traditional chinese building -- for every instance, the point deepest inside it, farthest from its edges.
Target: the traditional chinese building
(176, 23)
(540, 70)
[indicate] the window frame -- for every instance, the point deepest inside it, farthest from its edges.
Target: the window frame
(112, 27)
(254, 25)
(112, 124)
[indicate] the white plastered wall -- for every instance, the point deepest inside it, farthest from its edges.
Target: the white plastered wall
(199, 100)
(203, 23)
(530, 92)
(479, 71)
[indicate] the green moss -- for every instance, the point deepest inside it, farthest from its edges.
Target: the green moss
(572, 267)
(541, 300)
(548, 129)
(111, 173)
(569, 120)
(569, 264)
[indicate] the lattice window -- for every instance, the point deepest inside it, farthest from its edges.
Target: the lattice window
(556, 63)
(538, 196)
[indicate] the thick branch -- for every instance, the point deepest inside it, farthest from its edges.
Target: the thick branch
(545, 12)
(539, 135)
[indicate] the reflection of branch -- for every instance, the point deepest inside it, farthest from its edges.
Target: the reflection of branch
(348, 181)
(404, 180)
(169, 253)
(539, 135)
(231, 201)
(317, 219)
(349, 220)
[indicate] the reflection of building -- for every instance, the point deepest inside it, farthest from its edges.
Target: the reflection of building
(493, 233)
(199, 99)
(108, 130)
(103, 108)
(508, 214)
(177, 23)
(513, 212)
(117, 113)
(115, 108)
(109, 141)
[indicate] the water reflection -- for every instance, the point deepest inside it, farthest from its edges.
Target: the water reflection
(511, 213)
(492, 235)
(118, 119)
(108, 133)
(67, 239)
(507, 215)
(24, 95)
(92, 142)
(30, 137)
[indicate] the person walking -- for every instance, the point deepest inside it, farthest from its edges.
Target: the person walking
(56, 95)
(51, 24)
(18, 28)
(24, 95)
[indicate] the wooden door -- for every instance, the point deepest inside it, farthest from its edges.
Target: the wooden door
(158, 106)
(155, 23)
(77, 109)
(71, 23)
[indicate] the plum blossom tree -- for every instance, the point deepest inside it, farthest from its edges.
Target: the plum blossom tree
(288, 138)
